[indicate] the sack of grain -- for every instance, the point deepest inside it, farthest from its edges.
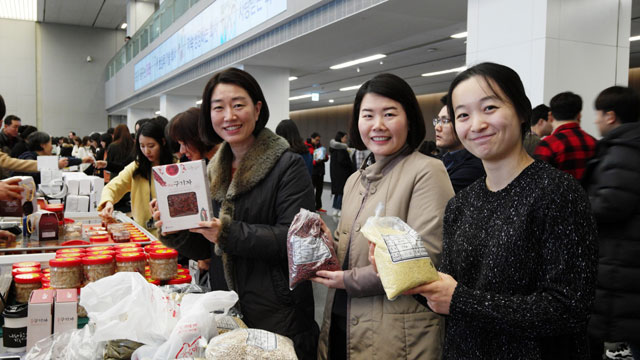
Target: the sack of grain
(250, 344)
(401, 258)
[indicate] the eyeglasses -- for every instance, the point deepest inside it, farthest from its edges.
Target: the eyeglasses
(440, 121)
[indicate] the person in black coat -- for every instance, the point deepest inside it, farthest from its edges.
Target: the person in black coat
(341, 168)
(257, 187)
(612, 181)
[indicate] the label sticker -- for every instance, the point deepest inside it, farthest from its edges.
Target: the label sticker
(404, 247)
(309, 250)
(263, 339)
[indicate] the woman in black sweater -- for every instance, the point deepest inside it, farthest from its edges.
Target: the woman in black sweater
(519, 247)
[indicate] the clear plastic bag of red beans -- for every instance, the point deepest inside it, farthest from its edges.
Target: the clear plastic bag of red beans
(309, 249)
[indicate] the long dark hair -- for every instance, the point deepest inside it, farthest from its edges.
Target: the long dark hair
(289, 131)
(122, 137)
(394, 88)
(153, 130)
(239, 78)
(509, 84)
(36, 139)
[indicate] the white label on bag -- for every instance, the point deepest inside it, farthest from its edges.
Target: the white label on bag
(226, 323)
(404, 247)
(309, 250)
(263, 339)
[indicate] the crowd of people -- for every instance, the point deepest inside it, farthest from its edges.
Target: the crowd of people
(532, 223)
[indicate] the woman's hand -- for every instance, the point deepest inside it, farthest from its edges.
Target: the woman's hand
(209, 229)
(10, 190)
(330, 279)
(100, 164)
(88, 159)
(372, 258)
(107, 210)
(438, 293)
(63, 163)
(204, 264)
(7, 236)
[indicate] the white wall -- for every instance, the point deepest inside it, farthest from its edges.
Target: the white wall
(17, 68)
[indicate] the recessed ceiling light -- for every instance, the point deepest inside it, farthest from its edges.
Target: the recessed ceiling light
(157, 112)
(123, 26)
(199, 102)
(459, 35)
(331, 101)
(300, 97)
(19, 9)
(291, 78)
(634, 38)
(349, 88)
(358, 61)
(458, 69)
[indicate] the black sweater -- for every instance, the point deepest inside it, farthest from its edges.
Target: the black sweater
(525, 261)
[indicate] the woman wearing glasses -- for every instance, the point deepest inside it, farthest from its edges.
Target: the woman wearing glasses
(462, 166)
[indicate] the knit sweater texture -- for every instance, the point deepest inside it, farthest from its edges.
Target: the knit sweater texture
(525, 260)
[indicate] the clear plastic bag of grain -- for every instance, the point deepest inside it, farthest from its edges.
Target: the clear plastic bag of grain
(250, 344)
(226, 323)
(401, 258)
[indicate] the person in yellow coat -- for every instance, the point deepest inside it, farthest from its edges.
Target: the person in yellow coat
(151, 150)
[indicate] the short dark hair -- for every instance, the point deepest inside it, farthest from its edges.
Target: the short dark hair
(141, 122)
(107, 138)
(314, 135)
(444, 100)
(3, 107)
(339, 136)
(153, 130)
(239, 78)
(395, 88)
(110, 131)
(623, 101)
(184, 127)
(10, 118)
(36, 140)
(289, 131)
(27, 130)
(95, 137)
(539, 112)
(72, 133)
(565, 106)
(163, 121)
(507, 80)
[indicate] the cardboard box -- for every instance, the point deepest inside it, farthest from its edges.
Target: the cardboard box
(183, 195)
(66, 310)
(24, 206)
(72, 186)
(84, 187)
(40, 316)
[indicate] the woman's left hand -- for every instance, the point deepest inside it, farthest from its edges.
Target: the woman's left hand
(438, 293)
(330, 279)
(209, 229)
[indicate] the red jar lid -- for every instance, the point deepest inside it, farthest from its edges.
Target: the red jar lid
(130, 256)
(99, 248)
(46, 271)
(97, 259)
(54, 207)
(129, 250)
(126, 245)
(153, 281)
(46, 284)
(26, 264)
(101, 252)
(65, 262)
(149, 248)
(46, 276)
(70, 250)
(24, 270)
(70, 255)
(163, 253)
(99, 238)
(28, 278)
(69, 221)
(180, 279)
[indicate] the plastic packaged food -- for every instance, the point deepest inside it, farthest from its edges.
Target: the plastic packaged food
(401, 258)
(97, 267)
(131, 261)
(250, 344)
(163, 264)
(308, 248)
(226, 323)
(73, 231)
(25, 284)
(121, 236)
(66, 273)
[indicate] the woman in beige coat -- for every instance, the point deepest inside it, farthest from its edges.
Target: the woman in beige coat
(359, 321)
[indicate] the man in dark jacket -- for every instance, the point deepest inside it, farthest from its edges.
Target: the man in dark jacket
(317, 174)
(611, 180)
(462, 166)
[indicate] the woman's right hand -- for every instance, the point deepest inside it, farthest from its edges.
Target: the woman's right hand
(62, 163)
(100, 164)
(155, 214)
(107, 210)
(10, 190)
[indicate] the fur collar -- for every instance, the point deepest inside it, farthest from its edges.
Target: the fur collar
(256, 164)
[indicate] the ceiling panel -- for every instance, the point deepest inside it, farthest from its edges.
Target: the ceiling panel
(113, 14)
(81, 13)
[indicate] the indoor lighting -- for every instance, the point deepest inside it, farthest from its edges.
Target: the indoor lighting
(19, 9)
(459, 35)
(331, 101)
(157, 112)
(291, 78)
(123, 26)
(634, 38)
(199, 102)
(458, 69)
(300, 97)
(358, 61)
(349, 88)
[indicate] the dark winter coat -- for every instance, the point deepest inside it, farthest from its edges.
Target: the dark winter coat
(612, 181)
(463, 168)
(256, 206)
(340, 166)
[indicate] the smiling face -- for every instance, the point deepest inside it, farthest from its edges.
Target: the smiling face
(233, 114)
(487, 125)
(150, 148)
(383, 124)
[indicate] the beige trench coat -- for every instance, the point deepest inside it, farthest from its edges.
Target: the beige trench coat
(415, 188)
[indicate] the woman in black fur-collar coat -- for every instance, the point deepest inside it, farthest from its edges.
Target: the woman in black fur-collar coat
(257, 187)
